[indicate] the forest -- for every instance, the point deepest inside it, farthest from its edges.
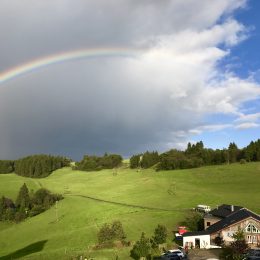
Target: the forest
(196, 155)
(96, 163)
(34, 166)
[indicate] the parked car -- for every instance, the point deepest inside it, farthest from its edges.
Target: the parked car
(253, 254)
(178, 252)
(174, 254)
(170, 256)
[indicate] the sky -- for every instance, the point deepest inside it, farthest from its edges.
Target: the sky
(123, 76)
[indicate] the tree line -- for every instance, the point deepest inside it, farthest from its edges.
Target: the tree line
(34, 166)
(196, 155)
(27, 204)
(96, 163)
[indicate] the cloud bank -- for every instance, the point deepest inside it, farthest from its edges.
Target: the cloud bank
(157, 99)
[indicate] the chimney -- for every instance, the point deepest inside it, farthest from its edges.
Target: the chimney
(232, 208)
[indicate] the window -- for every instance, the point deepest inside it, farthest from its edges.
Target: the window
(208, 224)
(251, 229)
(254, 239)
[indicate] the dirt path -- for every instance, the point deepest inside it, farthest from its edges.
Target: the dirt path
(124, 204)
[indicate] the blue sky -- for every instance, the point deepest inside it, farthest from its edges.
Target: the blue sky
(247, 52)
(193, 74)
(244, 61)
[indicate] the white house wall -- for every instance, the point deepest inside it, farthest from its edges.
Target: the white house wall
(204, 241)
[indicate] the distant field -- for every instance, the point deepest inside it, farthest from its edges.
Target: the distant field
(164, 195)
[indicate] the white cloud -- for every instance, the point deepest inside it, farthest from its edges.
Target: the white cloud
(249, 117)
(247, 125)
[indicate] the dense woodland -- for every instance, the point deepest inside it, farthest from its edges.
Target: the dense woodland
(195, 156)
(6, 166)
(96, 163)
(34, 166)
(27, 204)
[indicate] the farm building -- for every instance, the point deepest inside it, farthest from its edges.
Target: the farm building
(223, 222)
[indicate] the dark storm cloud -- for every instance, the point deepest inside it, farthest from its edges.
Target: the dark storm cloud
(122, 105)
(69, 109)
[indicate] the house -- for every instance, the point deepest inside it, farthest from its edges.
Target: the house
(199, 239)
(222, 223)
(219, 213)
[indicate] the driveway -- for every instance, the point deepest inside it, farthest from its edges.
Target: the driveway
(203, 254)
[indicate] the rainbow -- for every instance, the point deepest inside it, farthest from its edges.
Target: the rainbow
(63, 57)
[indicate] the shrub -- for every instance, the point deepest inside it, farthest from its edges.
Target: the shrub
(237, 248)
(194, 221)
(242, 161)
(111, 232)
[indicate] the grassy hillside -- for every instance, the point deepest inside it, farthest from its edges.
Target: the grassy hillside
(164, 196)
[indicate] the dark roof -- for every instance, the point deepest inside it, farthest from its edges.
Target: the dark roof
(196, 233)
(224, 210)
(231, 219)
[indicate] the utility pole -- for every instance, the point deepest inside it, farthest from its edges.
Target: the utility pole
(56, 210)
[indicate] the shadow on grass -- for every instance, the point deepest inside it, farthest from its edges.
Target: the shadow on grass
(32, 248)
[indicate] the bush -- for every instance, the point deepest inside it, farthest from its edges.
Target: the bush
(237, 249)
(105, 234)
(118, 231)
(20, 215)
(242, 161)
(111, 232)
(194, 221)
(36, 210)
(7, 209)
(219, 241)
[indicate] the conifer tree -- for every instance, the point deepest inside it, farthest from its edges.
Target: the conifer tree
(141, 248)
(160, 235)
(23, 199)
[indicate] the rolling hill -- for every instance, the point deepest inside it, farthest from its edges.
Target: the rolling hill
(139, 199)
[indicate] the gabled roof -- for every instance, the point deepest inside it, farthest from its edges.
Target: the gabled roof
(224, 210)
(233, 218)
(196, 233)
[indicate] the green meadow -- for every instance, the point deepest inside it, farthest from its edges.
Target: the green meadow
(139, 199)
